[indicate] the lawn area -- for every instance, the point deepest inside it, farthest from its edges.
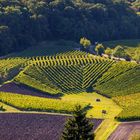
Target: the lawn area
(96, 111)
(128, 43)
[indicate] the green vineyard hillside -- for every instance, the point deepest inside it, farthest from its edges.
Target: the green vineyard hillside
(121, 79)
(64, 73)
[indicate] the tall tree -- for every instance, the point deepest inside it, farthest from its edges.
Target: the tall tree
(78, 127)
(99, 49)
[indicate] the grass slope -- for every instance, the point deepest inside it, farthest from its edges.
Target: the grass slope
(47, 48)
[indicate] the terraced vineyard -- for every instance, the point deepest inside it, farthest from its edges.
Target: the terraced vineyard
(69, 72)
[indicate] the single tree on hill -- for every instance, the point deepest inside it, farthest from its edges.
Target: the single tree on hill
(85, 42)
(99, 49)
(78, 127)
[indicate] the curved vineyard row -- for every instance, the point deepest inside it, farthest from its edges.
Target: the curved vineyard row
(126, 83)
(116, 69)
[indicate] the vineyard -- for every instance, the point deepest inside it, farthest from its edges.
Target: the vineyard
(30, 103)
(68, 72)
(130, 105)
(122, 80)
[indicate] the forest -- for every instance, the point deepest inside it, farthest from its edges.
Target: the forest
(24, 23)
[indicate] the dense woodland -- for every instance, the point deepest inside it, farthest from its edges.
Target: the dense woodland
(26, 22)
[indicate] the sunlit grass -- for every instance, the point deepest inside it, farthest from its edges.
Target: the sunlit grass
(97, 107)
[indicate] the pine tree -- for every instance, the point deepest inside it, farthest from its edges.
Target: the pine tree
(78, 127)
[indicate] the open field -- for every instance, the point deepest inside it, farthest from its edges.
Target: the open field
(105, 129)
(125, 131)
(33, 126)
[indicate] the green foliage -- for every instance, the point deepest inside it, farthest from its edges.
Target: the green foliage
(130, 47)
(2, 108)
(31, 103)
(31, 21)
(78, 127)
(99, 49)
(108, 51)
(119, 52)
(85, 42)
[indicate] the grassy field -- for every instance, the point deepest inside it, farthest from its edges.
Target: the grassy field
(8, 108)
(10, 67)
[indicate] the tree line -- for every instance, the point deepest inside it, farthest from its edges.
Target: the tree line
(25, 22)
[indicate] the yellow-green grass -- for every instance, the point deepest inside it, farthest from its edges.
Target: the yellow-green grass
(97, 107)
(105, 129)
(130, 105)
(128, 43)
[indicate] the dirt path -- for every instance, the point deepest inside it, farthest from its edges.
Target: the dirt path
(125, 130)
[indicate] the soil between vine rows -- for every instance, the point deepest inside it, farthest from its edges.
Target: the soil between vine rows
(18, 126)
